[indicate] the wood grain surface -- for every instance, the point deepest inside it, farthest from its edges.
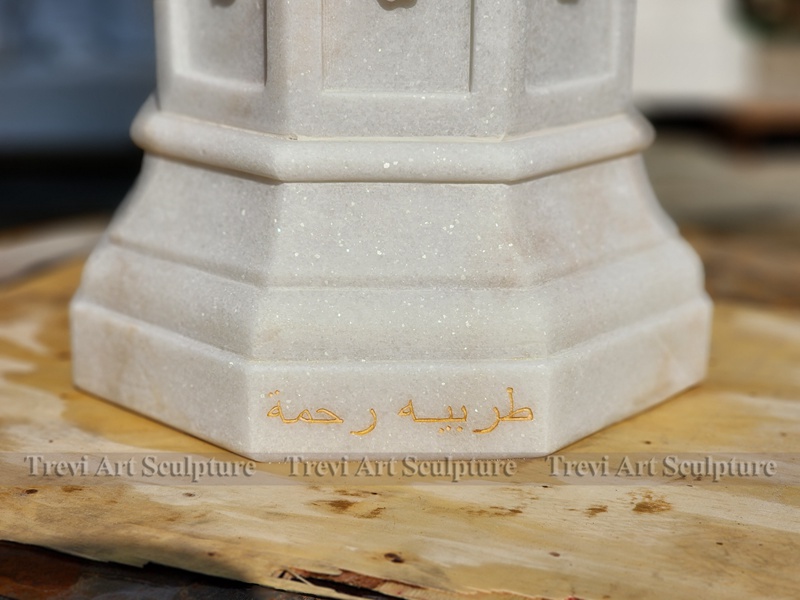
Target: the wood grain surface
(626, 534)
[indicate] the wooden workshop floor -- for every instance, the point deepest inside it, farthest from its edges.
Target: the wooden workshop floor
(532, 534)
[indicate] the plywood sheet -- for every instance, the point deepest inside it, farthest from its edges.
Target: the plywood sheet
(633, 530)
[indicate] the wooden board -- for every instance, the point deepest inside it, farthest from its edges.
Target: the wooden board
(531, 534)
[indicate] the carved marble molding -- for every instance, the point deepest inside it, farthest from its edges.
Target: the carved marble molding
(386, 229)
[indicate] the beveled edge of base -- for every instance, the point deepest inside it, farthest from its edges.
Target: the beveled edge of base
(567, 410)
(437, 160)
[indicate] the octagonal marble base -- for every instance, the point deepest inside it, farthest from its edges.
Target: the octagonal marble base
(394, 318)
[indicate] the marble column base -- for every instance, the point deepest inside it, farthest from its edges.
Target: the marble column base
(394, 318)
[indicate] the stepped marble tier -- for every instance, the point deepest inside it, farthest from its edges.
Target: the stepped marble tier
(405, 229)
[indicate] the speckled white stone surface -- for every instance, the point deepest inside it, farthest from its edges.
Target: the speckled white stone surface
(374, 228)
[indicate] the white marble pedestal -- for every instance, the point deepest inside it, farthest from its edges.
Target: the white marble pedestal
(372, 228)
